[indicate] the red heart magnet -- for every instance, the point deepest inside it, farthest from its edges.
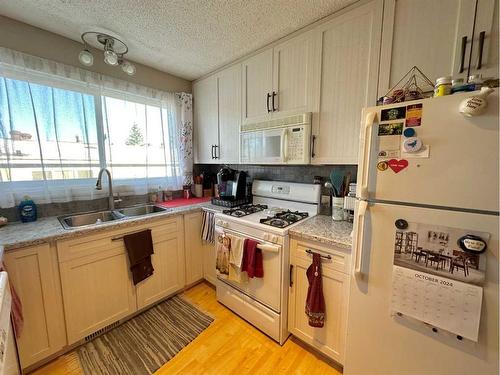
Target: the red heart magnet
(397, 165)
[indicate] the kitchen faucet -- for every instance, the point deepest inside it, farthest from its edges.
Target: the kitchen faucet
(98, 186)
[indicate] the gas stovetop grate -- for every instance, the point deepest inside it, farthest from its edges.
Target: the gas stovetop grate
(230, 203)
(245, 210)
(284, 219)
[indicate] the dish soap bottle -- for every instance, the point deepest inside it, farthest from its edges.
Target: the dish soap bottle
(27, 210)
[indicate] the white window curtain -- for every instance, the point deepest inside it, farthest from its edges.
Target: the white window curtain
(60, 124)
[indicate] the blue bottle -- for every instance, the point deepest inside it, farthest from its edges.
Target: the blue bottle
(27, 210)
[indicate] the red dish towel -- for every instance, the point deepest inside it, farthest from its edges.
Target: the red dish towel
(16, 309)
(315, 301)
(252, 259)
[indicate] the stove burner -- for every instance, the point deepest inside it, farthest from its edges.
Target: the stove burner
(245, 210)
(284, 218)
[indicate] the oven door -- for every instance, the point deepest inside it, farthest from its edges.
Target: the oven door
(263, 146)
(266, 290)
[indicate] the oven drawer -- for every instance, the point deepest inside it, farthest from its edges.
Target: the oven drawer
(258, 315)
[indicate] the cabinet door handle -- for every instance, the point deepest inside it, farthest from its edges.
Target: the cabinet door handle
(213, 157)
(291, 273)
(481, 45)
(462, 54)
(274, 108)
(313, 154)
(215, 148)
(267, 102)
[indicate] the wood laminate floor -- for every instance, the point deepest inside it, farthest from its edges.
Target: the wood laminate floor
(229, 346)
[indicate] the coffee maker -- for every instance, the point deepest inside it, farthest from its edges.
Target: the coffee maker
(231, 184)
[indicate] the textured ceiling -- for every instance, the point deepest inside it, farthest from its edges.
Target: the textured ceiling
(187, 38)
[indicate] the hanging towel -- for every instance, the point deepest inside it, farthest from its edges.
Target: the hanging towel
(236, 259)
(222, 261)
(252, 259)
(16, 308)
(315, 301)
(208, 226)
(140, 248)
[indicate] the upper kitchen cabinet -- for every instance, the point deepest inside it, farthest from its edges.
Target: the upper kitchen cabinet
(257, 81)
(229, 94)
(278, 81)
(217, 116)
(205, 115)
(348, 56)
(437, 37)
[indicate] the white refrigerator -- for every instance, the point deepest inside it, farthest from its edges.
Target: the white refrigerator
(419, 302)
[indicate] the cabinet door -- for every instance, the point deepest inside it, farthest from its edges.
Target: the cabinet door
(428, 34)
(97, 289)
(349, 48)
(209, 273)
(34, 273)
(193, 247)
(487, 25)
(205, 116)
(257, 82)
(168, 263)
(330, 339)
(229, 114)
(293, 74)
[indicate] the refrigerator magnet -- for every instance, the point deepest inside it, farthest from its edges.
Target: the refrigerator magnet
(397, 165)
(412, 144)
(414, 115)
(392, 128)
(393, 114)
(409, 132)
(382, 166)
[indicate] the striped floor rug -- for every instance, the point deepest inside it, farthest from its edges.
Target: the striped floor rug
(143, 344)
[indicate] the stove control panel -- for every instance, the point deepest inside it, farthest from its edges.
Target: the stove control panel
(280, 189)
(222, 223)
(271, 238)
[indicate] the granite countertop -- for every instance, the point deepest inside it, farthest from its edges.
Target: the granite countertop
(17, 234)
(324, 229)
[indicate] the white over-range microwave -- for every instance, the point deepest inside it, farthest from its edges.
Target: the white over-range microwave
(279, 141)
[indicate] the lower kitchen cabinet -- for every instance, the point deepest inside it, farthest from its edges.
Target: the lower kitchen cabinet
(168, 262)
(96, 284)
(330, 339)
(209, 273)
(194, 247)
(34, 273)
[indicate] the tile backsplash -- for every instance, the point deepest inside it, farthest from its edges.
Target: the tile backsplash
(289, 173)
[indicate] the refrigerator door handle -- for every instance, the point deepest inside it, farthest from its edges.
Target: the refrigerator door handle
(366, 144)
(357, 245)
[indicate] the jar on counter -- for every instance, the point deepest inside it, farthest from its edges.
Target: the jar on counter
(476, 80)
(443, 86)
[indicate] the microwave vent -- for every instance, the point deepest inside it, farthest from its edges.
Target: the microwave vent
(296, 120)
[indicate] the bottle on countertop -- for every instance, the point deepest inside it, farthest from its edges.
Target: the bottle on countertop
(27, 210)
(443, 86)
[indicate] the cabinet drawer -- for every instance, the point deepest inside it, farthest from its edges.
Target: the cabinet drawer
(111, 240)
(339, 260)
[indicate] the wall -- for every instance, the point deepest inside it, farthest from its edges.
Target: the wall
(32, 40)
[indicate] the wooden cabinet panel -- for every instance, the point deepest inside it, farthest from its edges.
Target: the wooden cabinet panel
(34, 273)
(205, 117)
(169, 265)
(97, 291)
(229, 84)
(349, 49)
(209, 272)
(330, 339)
(193, 247)
(293, 75)
(257, 82)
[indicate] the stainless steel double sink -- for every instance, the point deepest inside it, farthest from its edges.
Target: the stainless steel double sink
(99, 217)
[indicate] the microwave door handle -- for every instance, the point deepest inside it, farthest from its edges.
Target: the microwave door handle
(283, 146)
(365, 144)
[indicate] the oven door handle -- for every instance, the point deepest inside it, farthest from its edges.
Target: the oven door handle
(269, 248)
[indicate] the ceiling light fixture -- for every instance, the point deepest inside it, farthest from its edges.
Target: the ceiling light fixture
(114, 50)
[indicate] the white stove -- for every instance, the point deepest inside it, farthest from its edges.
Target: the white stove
(276, 207)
